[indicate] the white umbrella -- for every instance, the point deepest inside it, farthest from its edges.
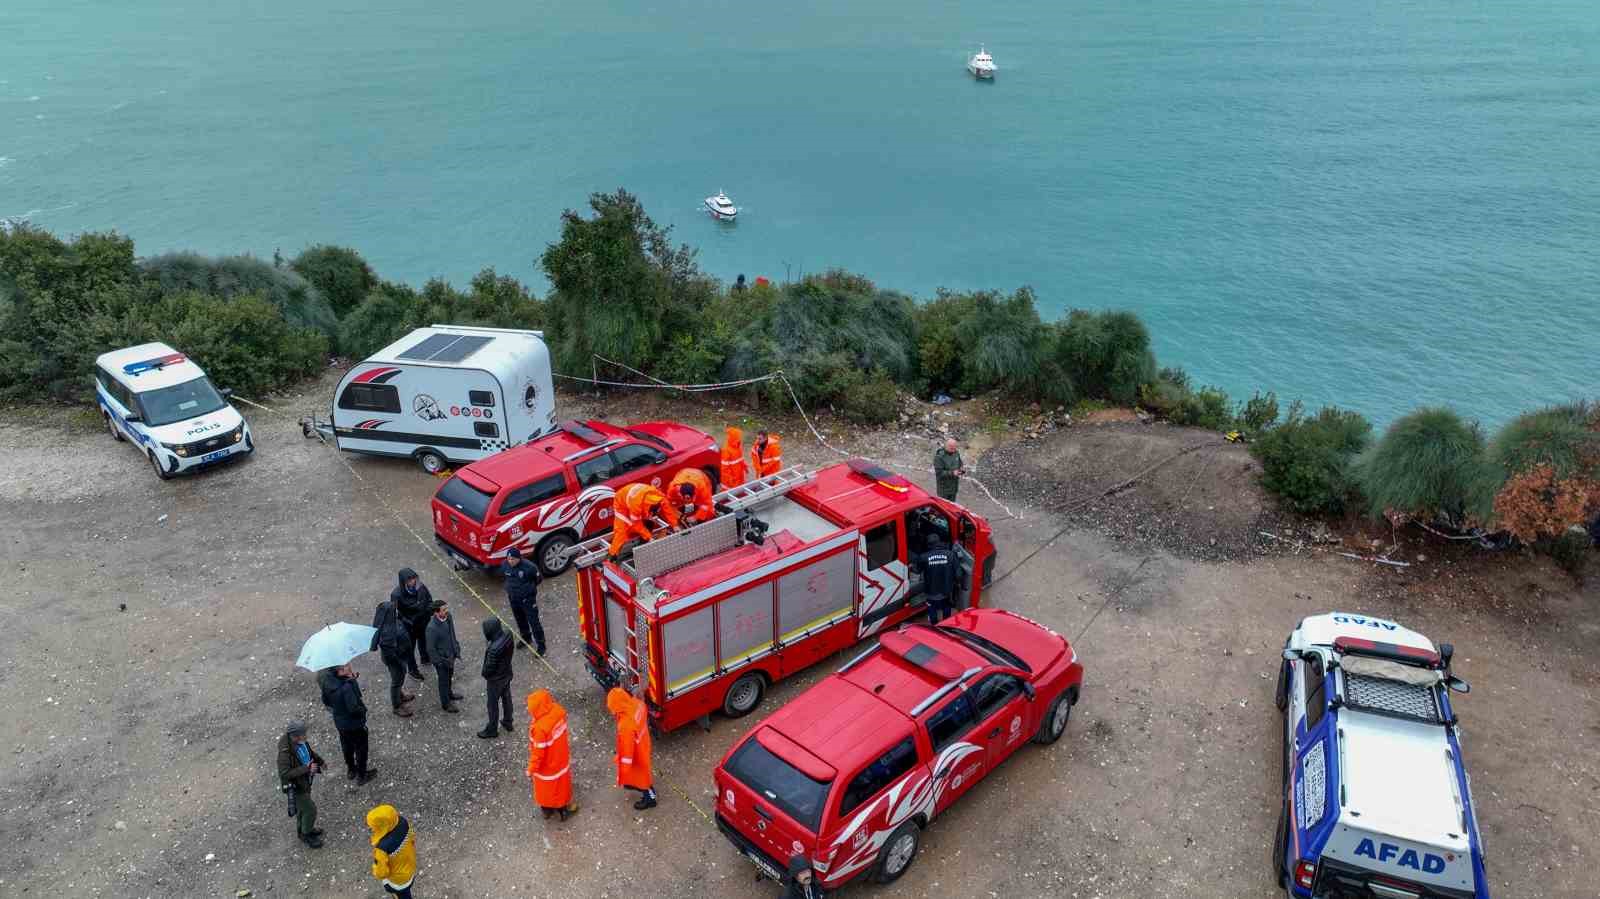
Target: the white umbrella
(335, 645)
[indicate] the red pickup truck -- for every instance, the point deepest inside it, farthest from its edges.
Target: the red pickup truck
(847, 774)
(549, 493)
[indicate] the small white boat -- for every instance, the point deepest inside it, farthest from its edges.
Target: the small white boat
(721, 208)
(981, 65)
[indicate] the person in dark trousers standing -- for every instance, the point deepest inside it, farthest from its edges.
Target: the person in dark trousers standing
(342, 695)
(444, 649)
(415, 603)
(522, 588)
(497, 676)
(947, 470)
(298, 764)
(938, 578)
(393, 642)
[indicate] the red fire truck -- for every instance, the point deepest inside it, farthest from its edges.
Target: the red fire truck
(795, 567)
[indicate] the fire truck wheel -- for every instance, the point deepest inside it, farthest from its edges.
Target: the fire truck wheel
(431, 462)
(552, 554)
(1055, 719)
(898, 853)
(744, 695)
(112, 427)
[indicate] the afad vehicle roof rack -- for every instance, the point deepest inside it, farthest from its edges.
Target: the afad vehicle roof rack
(729, 503)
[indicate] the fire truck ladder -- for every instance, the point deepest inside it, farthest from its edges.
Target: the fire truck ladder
(731, 501)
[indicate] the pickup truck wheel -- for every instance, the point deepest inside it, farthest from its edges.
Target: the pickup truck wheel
(744, 695)
(431, 462)
(1279, 844)
(1055, 719)
(1282, 697)
(898, 853)
(552, 552)
(112, 427)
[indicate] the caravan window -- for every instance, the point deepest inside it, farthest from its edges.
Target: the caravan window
(371, 398)
(480, 397)
(485, 429)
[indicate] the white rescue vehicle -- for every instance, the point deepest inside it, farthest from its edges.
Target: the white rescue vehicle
(157, 398)
(1376, 801)
(444, 394)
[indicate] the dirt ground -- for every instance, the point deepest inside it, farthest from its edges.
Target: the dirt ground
(152, 629)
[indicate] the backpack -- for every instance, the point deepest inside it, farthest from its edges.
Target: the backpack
(392, 634)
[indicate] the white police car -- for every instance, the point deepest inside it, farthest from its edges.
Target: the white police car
(1376, 801)
(155, 397)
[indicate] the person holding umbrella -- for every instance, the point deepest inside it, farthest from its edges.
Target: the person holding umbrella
(329, 652)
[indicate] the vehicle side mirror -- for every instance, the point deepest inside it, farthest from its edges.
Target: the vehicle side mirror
(1291, 655)
(226, 392)
(1446, 652)
(1457, 684)
(1028, 690)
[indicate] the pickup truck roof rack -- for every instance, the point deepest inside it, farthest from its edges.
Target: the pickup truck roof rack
(687, 546)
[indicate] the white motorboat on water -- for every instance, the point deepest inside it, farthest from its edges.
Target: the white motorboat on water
(981, 65)
(721, 208)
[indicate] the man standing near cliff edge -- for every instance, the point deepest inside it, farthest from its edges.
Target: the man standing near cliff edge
(947, 470)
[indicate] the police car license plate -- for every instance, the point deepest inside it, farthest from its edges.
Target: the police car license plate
(212, 457)
(763, 867)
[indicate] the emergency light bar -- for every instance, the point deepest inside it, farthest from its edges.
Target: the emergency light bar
(880, 475)
(134, 368)
(1394, 652)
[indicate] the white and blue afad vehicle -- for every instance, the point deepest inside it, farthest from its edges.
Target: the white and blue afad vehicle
(156, 398)
(1376, 801)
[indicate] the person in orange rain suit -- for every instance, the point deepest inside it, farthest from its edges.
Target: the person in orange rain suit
(691, 488)
(733, 471)
(631, 513)
(633, 746)
(549, 756)
(766, 457)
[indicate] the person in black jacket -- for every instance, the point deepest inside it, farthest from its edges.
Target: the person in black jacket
(393, 641)
(801, 882)
(938, 578)
(522, 588)
(445, 650)
(497, 676)
(415, 603)
(342, 695)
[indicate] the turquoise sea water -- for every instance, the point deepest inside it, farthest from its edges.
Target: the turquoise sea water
(1378, 204)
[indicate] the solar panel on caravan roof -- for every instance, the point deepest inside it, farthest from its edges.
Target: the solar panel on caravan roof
(461, 349)
(429, 346)
(445, 348)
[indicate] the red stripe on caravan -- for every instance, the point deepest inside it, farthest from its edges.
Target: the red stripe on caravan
(366, 376)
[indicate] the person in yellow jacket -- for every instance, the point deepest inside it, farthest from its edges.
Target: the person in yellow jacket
(394, 850)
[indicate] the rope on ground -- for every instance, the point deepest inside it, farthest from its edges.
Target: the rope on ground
(471, 590)
(1092, 496)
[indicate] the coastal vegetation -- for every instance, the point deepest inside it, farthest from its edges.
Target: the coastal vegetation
(622, 294)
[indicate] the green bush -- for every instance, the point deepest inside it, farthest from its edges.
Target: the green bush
(393, 310)
(233, 276)
(339, 273)
(941, 356)
(1430, 464)
(874, 400)
(1105, 355)
(1006, 347)
(1566, 438)
(1258, 413)
(1308, 461)
(242, 342)
(1208, 407)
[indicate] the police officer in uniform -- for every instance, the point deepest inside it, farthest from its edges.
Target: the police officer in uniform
(938, 578)
(522, 588)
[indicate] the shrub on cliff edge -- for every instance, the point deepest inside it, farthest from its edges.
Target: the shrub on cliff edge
(1430, 465)
(1307, 461)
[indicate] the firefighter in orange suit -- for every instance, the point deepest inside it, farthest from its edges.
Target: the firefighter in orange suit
(549, 756)
(690, 494)
(631, 513)
(733, 470)
(633, 745)
(766, 457)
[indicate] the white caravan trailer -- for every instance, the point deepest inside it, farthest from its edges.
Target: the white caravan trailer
(448, 394)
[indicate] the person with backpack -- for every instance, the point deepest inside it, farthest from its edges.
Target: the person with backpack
(415, 602)
(393, 643)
